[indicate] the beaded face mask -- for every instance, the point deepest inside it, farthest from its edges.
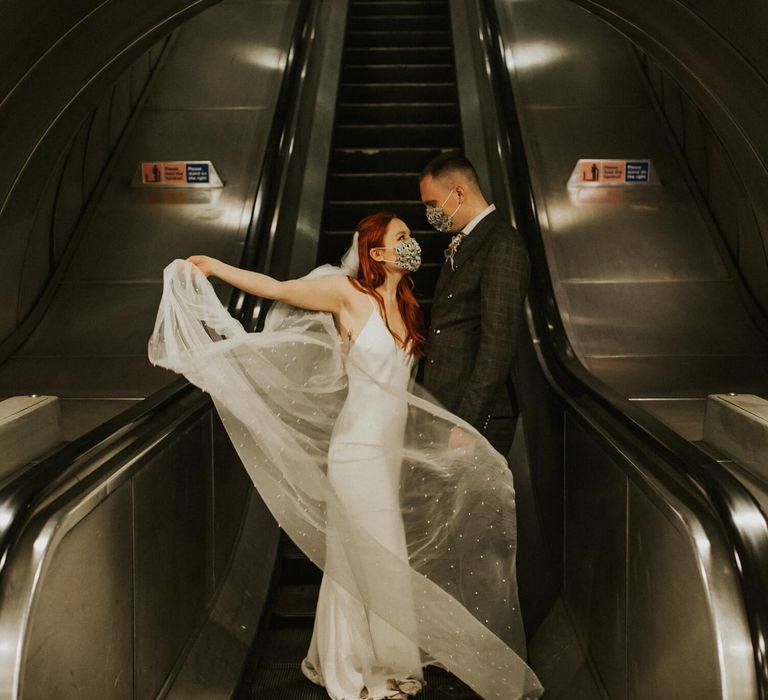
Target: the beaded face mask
(407, 255)
(439, 219)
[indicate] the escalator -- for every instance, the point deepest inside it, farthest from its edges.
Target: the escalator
(397, 107)
(639, 553)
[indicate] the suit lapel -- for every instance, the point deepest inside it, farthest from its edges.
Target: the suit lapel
(473, 242)
(468, 247)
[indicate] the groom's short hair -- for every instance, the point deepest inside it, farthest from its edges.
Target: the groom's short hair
(450, 162)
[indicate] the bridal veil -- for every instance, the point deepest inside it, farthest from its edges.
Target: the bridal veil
(278, 393)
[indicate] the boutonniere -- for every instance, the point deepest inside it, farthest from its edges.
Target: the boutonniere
(453, 246)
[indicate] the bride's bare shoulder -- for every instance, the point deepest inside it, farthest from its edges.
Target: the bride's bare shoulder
(355, 294)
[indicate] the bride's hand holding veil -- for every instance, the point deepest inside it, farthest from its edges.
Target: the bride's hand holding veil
(205, 264)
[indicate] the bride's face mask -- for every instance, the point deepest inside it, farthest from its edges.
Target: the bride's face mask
(437, 217)
(407, 254)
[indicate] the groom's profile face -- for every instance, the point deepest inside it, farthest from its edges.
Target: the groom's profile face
(433, 192)
(439, 193)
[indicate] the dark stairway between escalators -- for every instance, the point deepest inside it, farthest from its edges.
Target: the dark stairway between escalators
(397, 108)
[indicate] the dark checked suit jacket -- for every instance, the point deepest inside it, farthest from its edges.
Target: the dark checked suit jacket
(477, 318)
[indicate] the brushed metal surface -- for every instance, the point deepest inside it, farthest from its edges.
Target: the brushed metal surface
(29, 427)
(648, 302)
(675, 318)
(78, 416)
(649, 584)
(231, 490)
(681, 376)
(135, 232)
(686, 631)
(226, 58)
(79, 640)
(556, 655)
(83, 377)
(684, 416)
(738, 427)
(173, 554)
(213, 665)
(562, 54)
(595, 556)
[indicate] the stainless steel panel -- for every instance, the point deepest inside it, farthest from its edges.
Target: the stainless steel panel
(30, 426)
(231, 491)
(98, 151)
(80, 634)
(658, 319)
(135, 232)
(556, 655)
(661, 287)
(36, 264)
(70, 200)
(232, 55)
(738, 427)
(563, 56)
(651, 232)
(172, 550)
(78, 416)
(211, 670)
(139, 74)
(681, 377)
(671, 639)
(595, 556)
(83, 377)
(684, 416)
(97, 319)
(120, 109)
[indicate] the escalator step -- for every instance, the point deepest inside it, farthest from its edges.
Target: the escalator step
(394, 112)
(379, 23)
(371, 160)
(439, 136)
(345, 215)
(398, 92)
(384, 74)
(348, 186)
(399, 7)
(391, 38)
(296, 568)
(295, 605)
(403, 55)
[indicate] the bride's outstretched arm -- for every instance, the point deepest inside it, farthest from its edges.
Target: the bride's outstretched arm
(321, 294)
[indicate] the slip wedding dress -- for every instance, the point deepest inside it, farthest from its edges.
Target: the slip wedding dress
(416, 540)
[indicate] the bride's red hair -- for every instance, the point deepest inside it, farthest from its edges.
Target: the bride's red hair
(371, 275)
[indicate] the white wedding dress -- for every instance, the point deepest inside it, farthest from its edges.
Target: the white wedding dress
(417, 541)
(354, 653)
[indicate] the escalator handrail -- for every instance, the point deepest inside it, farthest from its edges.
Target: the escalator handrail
(742, 520)
(33, 483)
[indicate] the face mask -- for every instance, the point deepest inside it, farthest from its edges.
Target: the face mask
(439, 219)
(407, 255)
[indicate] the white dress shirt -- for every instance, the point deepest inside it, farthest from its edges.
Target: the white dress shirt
(468, 228)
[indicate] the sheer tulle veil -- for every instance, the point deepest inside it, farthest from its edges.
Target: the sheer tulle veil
(279, 392)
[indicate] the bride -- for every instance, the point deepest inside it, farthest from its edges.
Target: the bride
(415, 536)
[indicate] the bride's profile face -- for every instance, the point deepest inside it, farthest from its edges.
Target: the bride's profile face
(397, 232)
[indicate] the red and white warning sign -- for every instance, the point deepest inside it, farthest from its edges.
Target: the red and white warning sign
(180, 173)
(599, 172)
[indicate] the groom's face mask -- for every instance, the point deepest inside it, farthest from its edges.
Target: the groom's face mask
(439, 219)
(407, 254)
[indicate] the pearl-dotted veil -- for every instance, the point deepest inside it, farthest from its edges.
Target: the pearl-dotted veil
(278, 393)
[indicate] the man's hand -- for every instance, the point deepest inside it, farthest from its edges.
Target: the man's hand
(460, 439)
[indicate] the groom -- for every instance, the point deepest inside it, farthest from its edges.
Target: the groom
(478, 309)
